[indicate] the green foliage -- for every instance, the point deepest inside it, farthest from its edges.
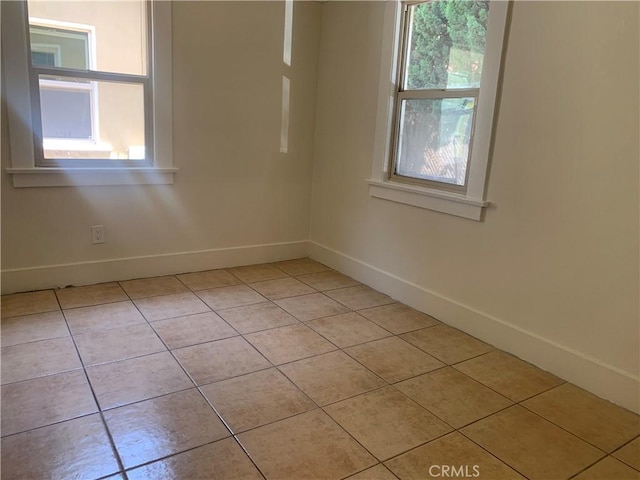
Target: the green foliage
(438, 27)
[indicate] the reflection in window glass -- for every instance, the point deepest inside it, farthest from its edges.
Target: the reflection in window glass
(434, 139)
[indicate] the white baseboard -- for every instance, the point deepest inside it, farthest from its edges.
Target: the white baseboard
(99, 271)
(606, 381)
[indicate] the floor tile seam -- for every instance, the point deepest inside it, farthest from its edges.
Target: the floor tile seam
(297, 277)
(567, 431)
(158, 295)
(346, 346)
(637, 437)
(495, 390)
(33, 341)
(174, 454)
(491, 453)
(351, 475)
(493, 349)
(7, 317)
(351, 397)
(38, 377)
(57, 422)
(254, 281)
(501, 395)
(112, 443)
(590, 466)
(92, 304)
(295, 322)
(602, 453)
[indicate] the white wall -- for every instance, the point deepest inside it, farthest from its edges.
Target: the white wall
(234, 187)
(551, 274)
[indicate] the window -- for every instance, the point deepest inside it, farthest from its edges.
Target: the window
(89, 92)
(443, 59)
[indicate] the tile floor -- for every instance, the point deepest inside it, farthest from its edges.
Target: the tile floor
(281, 371)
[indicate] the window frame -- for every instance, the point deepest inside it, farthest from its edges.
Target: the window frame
(469, 201)
(26, 170)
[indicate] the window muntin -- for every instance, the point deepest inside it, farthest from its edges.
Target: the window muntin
(440, 68)
(107, 90)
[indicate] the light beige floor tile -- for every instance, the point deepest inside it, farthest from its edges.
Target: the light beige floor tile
(73, 297)
(301, 266)
(256, 399)
(228, 297)
(309, 307)
(257, 273)
(398, 318)
(508, 375)
(630, 454)
(393, 359)
(453, 397)
(101, 317)
(359, 297)
(208, 279)
(379, 472)
(307, 446)
(447, 344)
(452, 450)
(531, 445)
(599, 422)
(31, 328)
(135, 379)
(220, 460)
(170, 306)
(386, 422)
(77, 448)
(286, 344)
(151, 287)
(348, 329)
(331, 377)
(38, 359)
(192, 329)
(328, 280)
(162, 426)
(282, 288)
(46, 400)
(104, 346)
(214, 361)
(609, 469)
(256, 317)
(28, 303)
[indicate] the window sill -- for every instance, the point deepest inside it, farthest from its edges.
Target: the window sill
(69, 177)
(439, 201)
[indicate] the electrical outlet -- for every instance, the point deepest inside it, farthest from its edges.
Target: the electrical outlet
(97, 234)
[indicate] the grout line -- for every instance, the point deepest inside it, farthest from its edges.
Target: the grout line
(112, 443)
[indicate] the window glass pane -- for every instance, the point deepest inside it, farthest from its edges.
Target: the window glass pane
(57, 47)
(446, 44)
(434, 139)
(91, 119)
(91, 34)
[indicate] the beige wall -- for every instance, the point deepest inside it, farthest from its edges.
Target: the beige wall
(557, 255)
(234, 187)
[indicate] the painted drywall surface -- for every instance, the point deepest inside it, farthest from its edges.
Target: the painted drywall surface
(557, 254)
(234, 187)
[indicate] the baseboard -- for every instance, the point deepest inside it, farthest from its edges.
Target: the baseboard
(604, 380)
(99, 271)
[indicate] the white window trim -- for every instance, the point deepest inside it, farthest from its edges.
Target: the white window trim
(23, 168)
(470, 204)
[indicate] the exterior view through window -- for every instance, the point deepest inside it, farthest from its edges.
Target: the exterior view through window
(442, 52)
(90, 81)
